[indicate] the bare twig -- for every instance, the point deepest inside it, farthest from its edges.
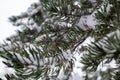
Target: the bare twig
(81, 40)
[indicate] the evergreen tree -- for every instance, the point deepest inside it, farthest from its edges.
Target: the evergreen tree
(53, 31)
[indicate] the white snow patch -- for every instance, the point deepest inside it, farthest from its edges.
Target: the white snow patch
(87, 21)
(5, 70)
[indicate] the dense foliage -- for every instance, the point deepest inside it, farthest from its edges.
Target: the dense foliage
(53, 31)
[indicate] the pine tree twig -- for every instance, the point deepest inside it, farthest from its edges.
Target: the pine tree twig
(69, 15)
(81, 40)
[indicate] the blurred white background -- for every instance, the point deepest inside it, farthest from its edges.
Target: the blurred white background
(7, 9)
